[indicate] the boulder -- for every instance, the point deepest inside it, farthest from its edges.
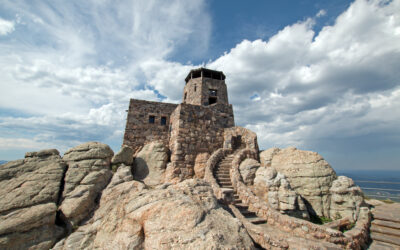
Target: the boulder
(150, 163)
(29, 193)
(274, 188)
(87, 175)
(248, 169)
(267, 155)
(181, 216)
(200, 164)
(124, 156)
(346, 199)
(309, 175)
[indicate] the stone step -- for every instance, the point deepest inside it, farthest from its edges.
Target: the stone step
(241, 205)
(378, 215)
(384, 223)
(237, 201)
(378, 245)
(225, 183)
(248, 214)
(222, 173)
(385, 230)
(223, 178)
(223, 168)
(227, 186)
(257, 220)
(385, 238)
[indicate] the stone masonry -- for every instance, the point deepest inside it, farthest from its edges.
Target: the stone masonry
(196, 126)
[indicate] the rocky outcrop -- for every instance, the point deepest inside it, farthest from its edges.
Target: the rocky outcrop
(346, 199)
(88, 174)
(124, 156)
(200, 164)
(266, 156)
(248, 169)
(309, 175)
(274, 189)
(181, 216)
(29, 193)
(150, 163)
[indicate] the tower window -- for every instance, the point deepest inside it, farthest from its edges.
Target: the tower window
(185, 97)
(152, 119)
(195, 88)
(163, 120)
(213, 92)
(212, 100)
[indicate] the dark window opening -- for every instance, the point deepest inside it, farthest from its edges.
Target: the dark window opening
(195, 88)
(185, 97)
(212, 100)
(152, 119)
(196, 74)
(207, 74)
(216, 76)
(163, 120)
(213, 92)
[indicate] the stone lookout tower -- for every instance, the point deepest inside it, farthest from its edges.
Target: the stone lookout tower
(201, 124)
(205, 87)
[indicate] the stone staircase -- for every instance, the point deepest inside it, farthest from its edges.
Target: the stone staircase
(265, 236)
(385, 227)
(221, 174)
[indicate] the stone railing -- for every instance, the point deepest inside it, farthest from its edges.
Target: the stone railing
(221, 194)
(354, 238)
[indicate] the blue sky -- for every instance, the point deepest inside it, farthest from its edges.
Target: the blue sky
(318, 75)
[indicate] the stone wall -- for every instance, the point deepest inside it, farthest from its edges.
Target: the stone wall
(139, 131)
(197, 91)
(240, 138)
(195, 130)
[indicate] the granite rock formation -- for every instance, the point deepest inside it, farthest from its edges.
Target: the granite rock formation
(150, 163)
(87, 175)
(29, 194)
(181, 216)
(309, 175)
(248, 169)
(274, 188)
(124, 156)
(346, 199)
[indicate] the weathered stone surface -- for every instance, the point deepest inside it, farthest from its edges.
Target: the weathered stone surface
(274, 189)
(200, 164)
(88, 151)
(309, 175)
(88, 174)
(181, 216)
(29, 191)
(248, 169)
(150, 163)
(346, 199)
(124, 156)
(266, 156)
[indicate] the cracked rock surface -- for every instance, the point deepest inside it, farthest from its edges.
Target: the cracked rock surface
(29, 192)
(181, 216)
(87, 175)
(309, 175)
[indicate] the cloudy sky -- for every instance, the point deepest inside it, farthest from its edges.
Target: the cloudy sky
(319, 75)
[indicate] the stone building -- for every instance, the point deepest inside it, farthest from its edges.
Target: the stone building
(202, 123)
